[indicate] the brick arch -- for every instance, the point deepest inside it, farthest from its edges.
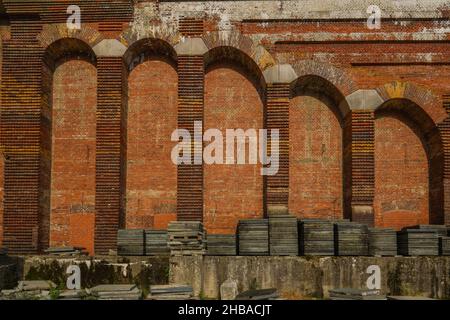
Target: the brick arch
(234, 39)
(67, 182)
(65, 49)
(421, 97)
(146, 48)
(157, 30)
(239, 59)
(51, 33)
(337, 77)
(324, 90)
(408, 143)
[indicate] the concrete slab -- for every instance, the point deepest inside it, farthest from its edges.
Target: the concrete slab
(35, 285)
(191, 47)
(110, 48)
(364, 100)
(280, 73)
(113, 288)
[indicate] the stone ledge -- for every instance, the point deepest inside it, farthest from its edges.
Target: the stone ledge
(313, 277)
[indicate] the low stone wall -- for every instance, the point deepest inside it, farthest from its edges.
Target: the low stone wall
(294, 277)
(312, 277)
(142, 271)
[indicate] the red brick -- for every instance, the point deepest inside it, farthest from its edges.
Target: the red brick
(315, 160)
(152, 117)
(401, 175)
(73, 153)
(231, 192)
(81, 235)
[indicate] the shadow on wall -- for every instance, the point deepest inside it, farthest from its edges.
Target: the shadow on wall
(408, 166)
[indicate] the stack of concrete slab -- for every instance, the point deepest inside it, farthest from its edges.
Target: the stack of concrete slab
(382, 242)
(130, 242)
(316, 237)
(72, 295)
(444, 246)
(29, 290)
(441, 230)
(221, 245)
(253, 237)
(170, 292)
(65, 251)
(351, 239)
(356, 294)
(442, 233)
(283, 235)
(339, 220)
(156, 242)
(418, 242)
(186, 238)
(116, 292)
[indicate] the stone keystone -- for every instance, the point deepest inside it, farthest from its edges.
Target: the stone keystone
(280, 73)
(364, 100)
(191, 47)
(109, 48)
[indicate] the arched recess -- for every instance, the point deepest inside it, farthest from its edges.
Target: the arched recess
(409, 164)
(151, 176)
(68, 130)
(234, 99)
(317, 174)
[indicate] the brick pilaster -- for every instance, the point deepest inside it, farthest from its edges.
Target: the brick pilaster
(111, 93)
(191, 78)
(277, 117)
(360, 157)
(21, 120)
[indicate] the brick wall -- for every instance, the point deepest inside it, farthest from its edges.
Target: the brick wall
(2, 156)
(151, 184)
(73, 154)
(315, 172)
(231, 192)
(401, 174)
(53, 177)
